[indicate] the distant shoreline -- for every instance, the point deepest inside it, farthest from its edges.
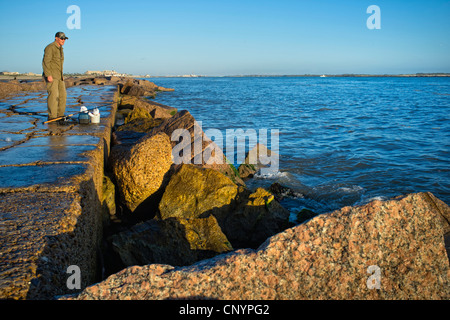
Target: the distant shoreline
(416, 75)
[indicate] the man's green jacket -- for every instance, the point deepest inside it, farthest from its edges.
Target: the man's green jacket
(53, 61)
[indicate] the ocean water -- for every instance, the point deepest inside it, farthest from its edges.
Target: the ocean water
(342, 141)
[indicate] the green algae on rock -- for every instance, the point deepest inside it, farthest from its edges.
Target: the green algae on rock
(246, 218)
(194, 191)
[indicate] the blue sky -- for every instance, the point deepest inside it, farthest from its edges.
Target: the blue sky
(211, 37)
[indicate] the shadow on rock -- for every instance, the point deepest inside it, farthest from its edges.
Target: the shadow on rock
(74, 241)
(171, 241)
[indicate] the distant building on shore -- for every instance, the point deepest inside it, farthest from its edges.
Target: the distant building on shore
(28, 74)
(32, 74)
(7, 73)
(105, 73)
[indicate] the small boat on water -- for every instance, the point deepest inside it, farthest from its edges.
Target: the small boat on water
(323, 76)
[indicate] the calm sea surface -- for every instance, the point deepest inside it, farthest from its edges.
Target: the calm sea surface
(342, 141)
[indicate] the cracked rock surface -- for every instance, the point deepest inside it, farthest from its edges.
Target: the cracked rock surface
(50, 186)
(28, 146)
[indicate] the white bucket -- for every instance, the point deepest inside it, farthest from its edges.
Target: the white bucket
(95, 116)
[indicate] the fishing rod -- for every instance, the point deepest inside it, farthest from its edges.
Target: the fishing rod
(73, 114)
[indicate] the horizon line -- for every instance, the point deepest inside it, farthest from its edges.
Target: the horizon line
(305, 75)
(417, 74)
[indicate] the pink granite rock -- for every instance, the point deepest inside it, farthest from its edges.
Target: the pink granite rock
(383, 250)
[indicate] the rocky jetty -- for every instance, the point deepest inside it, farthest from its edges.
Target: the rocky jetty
(204, 231)
(8, 88)
(180, 213)
(51, 193)
(54, 198)
(383, 250)
(138, 205)
(130, 86)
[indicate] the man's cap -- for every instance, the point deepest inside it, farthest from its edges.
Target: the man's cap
(61, 35)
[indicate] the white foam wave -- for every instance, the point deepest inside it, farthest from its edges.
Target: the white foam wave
(351, 189)
(272, 175)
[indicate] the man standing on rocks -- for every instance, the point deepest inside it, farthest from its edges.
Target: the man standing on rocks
(52, 64)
